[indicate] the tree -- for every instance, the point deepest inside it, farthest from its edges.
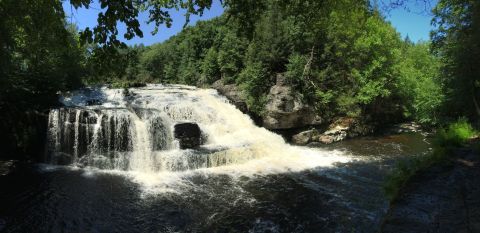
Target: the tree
(456, 40)
(39, 56)
(419, 84)
(210, 68)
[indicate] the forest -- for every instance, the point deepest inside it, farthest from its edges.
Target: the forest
(342, 57)
(371, 130)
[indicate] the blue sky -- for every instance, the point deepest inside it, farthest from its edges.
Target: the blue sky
(414, 22)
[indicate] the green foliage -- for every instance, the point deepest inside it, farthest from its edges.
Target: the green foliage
(127, 12)
(230, 56)
(418, 83)
(455, 135)
(210, 68)
(254, 80)
(342, 68)
(295, 71)
(446, 84)
(39, 56)
(456, 40)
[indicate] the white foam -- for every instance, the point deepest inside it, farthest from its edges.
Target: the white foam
(241, 148)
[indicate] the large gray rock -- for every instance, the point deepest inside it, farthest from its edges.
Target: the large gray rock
(285, 110)
(339, 130)
(305, 137)
(233, 93)
(188, 135)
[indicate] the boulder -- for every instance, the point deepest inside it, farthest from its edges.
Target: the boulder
(188, 135)
(335, 134)
(303, 138)
(343, 128)
(285, 110)
(339, 130)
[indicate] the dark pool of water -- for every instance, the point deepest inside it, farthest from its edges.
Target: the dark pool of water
(345, 198)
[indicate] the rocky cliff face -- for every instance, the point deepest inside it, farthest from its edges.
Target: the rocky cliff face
(284, 109)
(441, 199)
(233, 93)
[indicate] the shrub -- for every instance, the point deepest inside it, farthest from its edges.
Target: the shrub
(455, 135)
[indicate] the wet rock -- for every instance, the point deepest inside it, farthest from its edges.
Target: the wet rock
(188, 134)
(63, 158)
(285, 110)
(325, 139)
(86, 117)
(304, 137)
(339, 130)
(408, 127)
(91, 102)
(336, 133)
(444, 198)
(233, 93)
(346, 127)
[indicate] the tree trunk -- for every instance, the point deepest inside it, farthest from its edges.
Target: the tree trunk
(477, 107)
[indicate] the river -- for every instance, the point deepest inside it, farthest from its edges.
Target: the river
(112, 165)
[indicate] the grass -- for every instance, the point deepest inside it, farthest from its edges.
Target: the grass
(453, 136)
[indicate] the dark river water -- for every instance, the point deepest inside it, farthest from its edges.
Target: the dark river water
(344, 198)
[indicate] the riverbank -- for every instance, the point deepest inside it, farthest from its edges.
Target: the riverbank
(442, 198)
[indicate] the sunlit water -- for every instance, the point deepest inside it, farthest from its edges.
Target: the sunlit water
(243, 179)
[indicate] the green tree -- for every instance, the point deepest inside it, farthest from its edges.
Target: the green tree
(210, 68)
(419, 83)
(230, 56)
(39, 56)
(456, 40)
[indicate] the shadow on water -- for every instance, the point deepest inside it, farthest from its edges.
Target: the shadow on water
(344, 198)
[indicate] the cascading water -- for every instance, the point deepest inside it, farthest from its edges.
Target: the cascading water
(133, 131)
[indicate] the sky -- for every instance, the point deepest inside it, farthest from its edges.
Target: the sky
(414, 21)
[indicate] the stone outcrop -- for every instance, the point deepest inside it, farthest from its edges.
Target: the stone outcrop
(444, 198)
(339, 130)
(285, 110)
(233, 93)
(188, 135)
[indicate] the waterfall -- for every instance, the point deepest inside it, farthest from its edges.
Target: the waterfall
(134, 131)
